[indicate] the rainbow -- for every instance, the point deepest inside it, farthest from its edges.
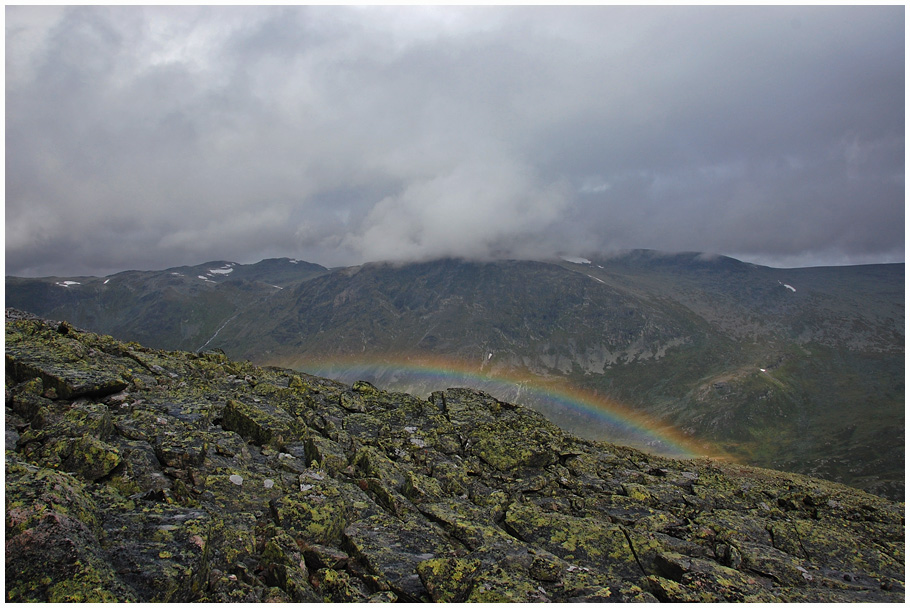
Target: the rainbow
(577, 410)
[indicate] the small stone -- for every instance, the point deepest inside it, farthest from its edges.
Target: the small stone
(236, 480)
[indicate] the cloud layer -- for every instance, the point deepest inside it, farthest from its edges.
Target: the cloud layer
(150, 137)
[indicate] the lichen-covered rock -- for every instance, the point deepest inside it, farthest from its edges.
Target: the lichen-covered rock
(391, 548)
(53, 533)
(599, 545)
(141, 475)
(259, 423)
(448, 579)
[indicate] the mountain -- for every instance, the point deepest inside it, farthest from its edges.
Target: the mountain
(179, 307)
(135, 474)
(791, 369)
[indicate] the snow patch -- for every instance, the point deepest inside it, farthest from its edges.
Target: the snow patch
(205, 278)
(225, 270)
(596, 279)
(106, 281)
(68, 283)
(790, 287)
(577, 260)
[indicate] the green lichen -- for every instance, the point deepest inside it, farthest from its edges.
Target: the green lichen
(448, 579)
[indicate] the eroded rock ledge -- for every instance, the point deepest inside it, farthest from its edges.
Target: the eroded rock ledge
(137, 474)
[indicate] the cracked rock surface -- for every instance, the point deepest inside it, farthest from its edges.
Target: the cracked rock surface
(135, 474)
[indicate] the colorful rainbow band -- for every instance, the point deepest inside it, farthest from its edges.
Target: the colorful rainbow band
(597, 416)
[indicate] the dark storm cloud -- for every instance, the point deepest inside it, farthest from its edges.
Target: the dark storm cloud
(148, 137)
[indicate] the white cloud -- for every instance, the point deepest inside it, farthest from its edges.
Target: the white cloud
(479, 208)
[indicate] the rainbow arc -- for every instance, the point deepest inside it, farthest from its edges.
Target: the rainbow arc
(593, 415)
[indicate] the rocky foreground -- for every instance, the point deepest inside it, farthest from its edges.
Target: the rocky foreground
(135, 474)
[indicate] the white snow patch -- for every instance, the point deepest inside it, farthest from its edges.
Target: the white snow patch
(68, 283)
(294, 261)
(226, 270)
(204, 278)
(790, 287)
(762, 369)
(176, 274)
(596, 279)
(577, 260)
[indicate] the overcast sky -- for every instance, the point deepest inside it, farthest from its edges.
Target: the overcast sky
(144, 138)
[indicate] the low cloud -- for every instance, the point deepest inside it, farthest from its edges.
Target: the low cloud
(479, 209)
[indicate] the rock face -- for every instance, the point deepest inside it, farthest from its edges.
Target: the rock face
(135, 474)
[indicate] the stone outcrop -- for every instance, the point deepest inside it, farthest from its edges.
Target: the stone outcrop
(135, 474)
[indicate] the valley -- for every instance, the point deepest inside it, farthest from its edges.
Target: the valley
(793, 369)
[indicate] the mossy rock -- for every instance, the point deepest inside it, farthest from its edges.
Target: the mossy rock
(496, 584)
(421, 488)
(198, 483)
(393, 548)
(506, 447)
(261, 424)
(471, 524)
(321, 509)
(592, 543)
(91, 458)
(712, 581)
(53, 550)
(448, 579)
(326, 453)
(820, 542)
(339, 586)
(284, 567)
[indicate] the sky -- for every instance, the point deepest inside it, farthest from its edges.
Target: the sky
(151, 137)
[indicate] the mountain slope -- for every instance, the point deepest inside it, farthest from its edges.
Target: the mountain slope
(135, 474)
(795, 369)
(181, 307)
